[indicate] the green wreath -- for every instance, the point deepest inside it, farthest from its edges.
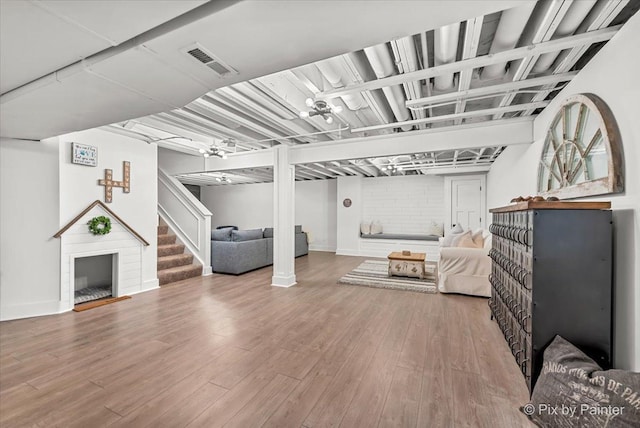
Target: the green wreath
(100, 225)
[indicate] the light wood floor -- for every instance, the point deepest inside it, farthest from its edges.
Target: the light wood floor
(233, 351)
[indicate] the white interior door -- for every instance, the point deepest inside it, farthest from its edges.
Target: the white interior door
(466, 201)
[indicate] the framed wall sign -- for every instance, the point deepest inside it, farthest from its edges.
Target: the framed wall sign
(82, 154)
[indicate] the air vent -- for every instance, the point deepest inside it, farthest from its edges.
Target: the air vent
(211, 61)
(198, 54)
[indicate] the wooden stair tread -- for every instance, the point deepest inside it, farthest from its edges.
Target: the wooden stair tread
(179, 273)
(170, 245)
(175, 256)
(173, 260)
(184, 268)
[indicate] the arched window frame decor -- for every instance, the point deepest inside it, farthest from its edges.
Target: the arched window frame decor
(566, 175)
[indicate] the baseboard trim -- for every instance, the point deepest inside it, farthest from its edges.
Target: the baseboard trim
(29, 310)
(150, 284)
(341, 252)
(207, 270)
(325, 248)
(283, 281)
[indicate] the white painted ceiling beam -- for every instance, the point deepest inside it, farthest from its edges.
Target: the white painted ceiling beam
(468, 136)
(306, 175)
(450, 170)
(153, 122)
(492, 90)
(552, 18)
(602, 15)
(468, 114)
(315, 171)
(194, 120)
(481, 61)
(211, 105)
(469, 50)
(326, 169)
(289, 126)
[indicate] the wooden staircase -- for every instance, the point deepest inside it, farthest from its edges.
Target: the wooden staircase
(174, 264)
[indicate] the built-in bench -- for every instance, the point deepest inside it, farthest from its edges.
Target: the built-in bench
(382, 244)
(406, 237)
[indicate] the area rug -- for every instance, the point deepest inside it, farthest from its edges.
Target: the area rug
(373, 273)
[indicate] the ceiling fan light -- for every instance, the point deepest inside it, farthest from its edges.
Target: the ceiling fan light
(224, 155)
(304, 114)
(309, 102)
(329, 120)
(202, 151)
(218, 179)
(337, 109)
(206, 155)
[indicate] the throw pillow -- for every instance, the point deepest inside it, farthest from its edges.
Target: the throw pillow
(435, 229)
(487, 242)
(478, 239)
(453, 233)
(246, 235)
(376, 228)
(221, 234)
(573, 390)
(365, 228)
(226, 227)
(463, 240)
(447, 241)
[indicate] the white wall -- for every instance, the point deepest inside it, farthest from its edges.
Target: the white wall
(41, 191)
(250, 206)
(29, 217)
(139, 208)
(348, 218)
(403, 204)
(316, 212)
(612, 75)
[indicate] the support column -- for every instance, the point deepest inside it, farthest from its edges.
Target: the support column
(283, 219)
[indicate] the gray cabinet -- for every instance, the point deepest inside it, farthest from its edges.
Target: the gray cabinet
(552, 274)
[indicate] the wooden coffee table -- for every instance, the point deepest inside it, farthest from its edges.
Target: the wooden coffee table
(411, 265)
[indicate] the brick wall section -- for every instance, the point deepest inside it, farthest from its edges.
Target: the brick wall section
(403, 204)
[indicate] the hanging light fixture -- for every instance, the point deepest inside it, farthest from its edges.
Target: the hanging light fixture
(320, 108)
(393, 166)
(213, 151)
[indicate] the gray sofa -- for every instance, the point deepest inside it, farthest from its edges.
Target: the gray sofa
(239, 251)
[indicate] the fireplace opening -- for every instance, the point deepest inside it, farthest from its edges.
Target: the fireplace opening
(93, 279)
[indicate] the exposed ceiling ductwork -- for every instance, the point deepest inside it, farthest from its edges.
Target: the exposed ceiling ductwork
(400, 78)
(383, 66)
(445, 51)
(512, 22)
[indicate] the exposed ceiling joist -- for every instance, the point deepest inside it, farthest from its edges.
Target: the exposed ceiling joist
(469, 50)
(497, 58)
(469, 114)
(492, 89)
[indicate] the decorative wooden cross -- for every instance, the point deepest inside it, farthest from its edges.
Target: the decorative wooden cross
(109, 184)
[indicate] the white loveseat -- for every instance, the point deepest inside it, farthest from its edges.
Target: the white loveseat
(465, 270)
